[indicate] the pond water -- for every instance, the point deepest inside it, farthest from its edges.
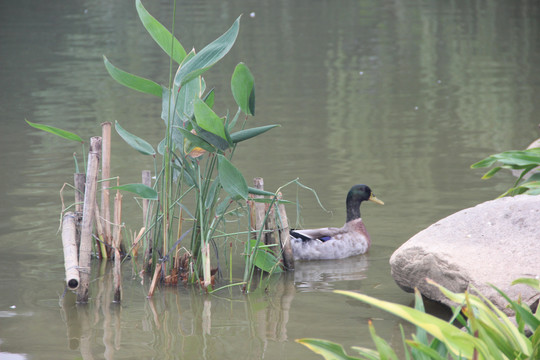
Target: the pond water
(401, 95)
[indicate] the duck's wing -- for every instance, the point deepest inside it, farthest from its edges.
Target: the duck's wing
(322, 234)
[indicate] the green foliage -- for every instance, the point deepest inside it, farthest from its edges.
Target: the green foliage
(243, 89)
(132, 81)
(197, 150)
(522, 160)
(487, 334)
(56, 131)
(160, 34)
(134, 141)
(141, 190)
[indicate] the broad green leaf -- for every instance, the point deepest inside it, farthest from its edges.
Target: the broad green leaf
(132, 81)
(491, 172)
(212, 139)
(490, 316)
(213, 191)
(232, 179)
(327, 349)
(266, 261)
(255, 191)
(141, 190)
(134, 141)
(487, 162)
(160, 34)
(457, 341)
(56, 131)
(385, 351)
(194, 141)
(243, 88)
(208, 120)
(249, 133)
(223, 206)
(208, 56)
(209, 98)
(534, 283)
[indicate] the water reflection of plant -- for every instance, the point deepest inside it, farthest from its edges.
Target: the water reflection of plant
(487, 332)
(196, 157)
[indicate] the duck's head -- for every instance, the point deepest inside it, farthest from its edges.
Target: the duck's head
(356, 195)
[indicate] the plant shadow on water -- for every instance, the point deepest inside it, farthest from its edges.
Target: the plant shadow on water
(184, 322)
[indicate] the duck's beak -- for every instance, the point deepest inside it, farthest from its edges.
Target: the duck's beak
(375, 200)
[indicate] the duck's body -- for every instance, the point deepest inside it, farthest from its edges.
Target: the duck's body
(336, 243)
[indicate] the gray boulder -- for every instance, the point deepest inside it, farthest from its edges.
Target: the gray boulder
(494, 242)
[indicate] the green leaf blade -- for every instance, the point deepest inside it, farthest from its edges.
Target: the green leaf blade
(160, 34)
(208, 120)
(208, 56)
(232, 179)
(132, 81)
(327, 349)
(246, 134)
(243, 88)
(141, 190)
(56, 131)
(134, 141)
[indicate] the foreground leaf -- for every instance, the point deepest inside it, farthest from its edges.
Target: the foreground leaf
(208, 56)
(327, 349)
(243, 88)
(249, 133)
(134, 141)
(56, 131)
(141, 190)
(132, 81)
(232, 179)
(160, 34)
(208, 120)
(457, 341)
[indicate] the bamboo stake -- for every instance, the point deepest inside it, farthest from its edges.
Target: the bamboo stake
(285, 239)
(106, 174)
(117, 241)
(78, 180)
(88, 219)
(71, 262)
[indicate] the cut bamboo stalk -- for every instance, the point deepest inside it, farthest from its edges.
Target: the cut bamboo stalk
(71, 261)
(106, 174)
(78, 180)
(88, 219)
(284, 237)
(154, 280)
(117, 273)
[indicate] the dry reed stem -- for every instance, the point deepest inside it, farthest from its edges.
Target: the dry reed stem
(117, 241)
(105, 174)
(285, 239)
(88, 218)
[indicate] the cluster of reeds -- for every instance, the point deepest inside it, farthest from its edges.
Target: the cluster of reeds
(196, 153)
(196, 188)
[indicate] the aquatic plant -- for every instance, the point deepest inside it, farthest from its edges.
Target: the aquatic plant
(523, 161)
(196, 150)
(487, 332)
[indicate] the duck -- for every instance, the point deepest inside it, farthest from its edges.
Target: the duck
(337, 243)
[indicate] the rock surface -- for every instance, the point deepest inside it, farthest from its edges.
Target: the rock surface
(494, 242)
